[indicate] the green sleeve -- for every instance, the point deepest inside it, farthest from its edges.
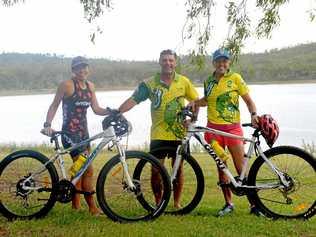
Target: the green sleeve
(141, 93)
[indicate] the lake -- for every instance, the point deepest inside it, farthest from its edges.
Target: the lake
(292, 105)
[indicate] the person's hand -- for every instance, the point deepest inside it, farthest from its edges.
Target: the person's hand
(48, 131)
(193, 105)
(186, 123)
(255, 120)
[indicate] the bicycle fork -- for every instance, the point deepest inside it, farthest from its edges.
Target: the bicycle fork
(125, 166)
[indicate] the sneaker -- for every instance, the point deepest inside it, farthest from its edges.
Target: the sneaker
(228, 208)
(256, 211)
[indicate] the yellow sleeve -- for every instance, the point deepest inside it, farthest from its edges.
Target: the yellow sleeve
(190, 91)
(242, 86)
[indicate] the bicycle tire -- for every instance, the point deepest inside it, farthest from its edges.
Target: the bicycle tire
(124, 211)
(189, 164)
(28, 159)
(291, 208)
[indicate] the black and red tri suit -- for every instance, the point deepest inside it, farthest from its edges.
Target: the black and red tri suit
(75, 117)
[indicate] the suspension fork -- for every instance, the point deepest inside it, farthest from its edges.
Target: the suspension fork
(124, 164)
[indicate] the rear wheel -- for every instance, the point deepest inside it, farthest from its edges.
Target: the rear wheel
(298, 199)
(121, 203)
(21, 196)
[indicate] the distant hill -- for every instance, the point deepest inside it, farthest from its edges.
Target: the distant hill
(42, 71)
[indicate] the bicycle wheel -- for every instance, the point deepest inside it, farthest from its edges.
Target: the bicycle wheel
(118, 201)
(296, 201)
(191, 191)
(18, 202)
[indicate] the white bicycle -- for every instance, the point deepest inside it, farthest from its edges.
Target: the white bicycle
(30, 184)
(281, 181)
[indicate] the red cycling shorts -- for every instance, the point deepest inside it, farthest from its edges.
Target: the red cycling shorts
(222, 140)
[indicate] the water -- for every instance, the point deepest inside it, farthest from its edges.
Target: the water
(293, 106)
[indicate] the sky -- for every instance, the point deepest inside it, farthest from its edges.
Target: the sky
(133, 30)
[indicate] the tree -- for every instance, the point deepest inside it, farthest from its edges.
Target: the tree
(197, 25)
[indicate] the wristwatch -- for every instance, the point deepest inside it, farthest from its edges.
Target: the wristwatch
(253, 113)
(47, 125)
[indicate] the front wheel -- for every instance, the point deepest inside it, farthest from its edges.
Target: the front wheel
(119, 201)
(21, 196)
(188, 189)
(298, 199)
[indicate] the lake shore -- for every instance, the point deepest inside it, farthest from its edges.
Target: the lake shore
(117, 88)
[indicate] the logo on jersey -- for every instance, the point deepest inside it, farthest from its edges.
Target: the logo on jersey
(82, 103)
(157, 98)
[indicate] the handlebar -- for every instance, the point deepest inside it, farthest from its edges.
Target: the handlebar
(187, 112)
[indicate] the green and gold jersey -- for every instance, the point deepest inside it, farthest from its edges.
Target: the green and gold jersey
(166, 102)
(223, 98)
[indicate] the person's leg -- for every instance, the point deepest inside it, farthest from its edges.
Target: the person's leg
(156, 182)
(76, 198)
(87, 186)
(178, 185)
(238, 153)
(224, 181)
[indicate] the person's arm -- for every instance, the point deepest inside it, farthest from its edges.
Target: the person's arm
(94, 102)
(140, 94)
(201, 102)
(251, 108)
(127, 105)
(47, 130)
(197, 103)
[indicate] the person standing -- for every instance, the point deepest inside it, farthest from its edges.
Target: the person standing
(167, 92)
(77, 95)
(221, 96)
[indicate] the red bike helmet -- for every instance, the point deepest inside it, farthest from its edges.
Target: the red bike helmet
(269, 129)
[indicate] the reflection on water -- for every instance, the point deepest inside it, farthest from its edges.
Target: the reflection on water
(293, 106)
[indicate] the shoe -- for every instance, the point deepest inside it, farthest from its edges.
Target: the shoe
(228, 208)
(256, 211)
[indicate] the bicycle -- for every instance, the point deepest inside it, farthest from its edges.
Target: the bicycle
(271, 184)
(30, 184)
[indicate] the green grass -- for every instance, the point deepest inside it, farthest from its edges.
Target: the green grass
(63, 221)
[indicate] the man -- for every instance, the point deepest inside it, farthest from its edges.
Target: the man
(167, 91)
(77, 95)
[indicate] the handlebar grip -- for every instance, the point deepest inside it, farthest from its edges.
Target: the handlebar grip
(247, 125)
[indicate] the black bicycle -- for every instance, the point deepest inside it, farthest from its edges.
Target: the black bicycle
(30, 184)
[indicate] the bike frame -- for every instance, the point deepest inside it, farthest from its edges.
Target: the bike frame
(107, 136)
(195, 131)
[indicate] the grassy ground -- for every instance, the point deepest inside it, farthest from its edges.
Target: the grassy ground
(63, 221)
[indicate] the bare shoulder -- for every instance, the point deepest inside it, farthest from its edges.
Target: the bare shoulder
(66, 87)
(66, 84)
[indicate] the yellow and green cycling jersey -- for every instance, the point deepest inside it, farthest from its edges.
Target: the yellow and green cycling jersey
(223, 98)
(166, 102)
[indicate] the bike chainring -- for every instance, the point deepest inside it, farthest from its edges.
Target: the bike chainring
(239, 191)
(64, 191)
